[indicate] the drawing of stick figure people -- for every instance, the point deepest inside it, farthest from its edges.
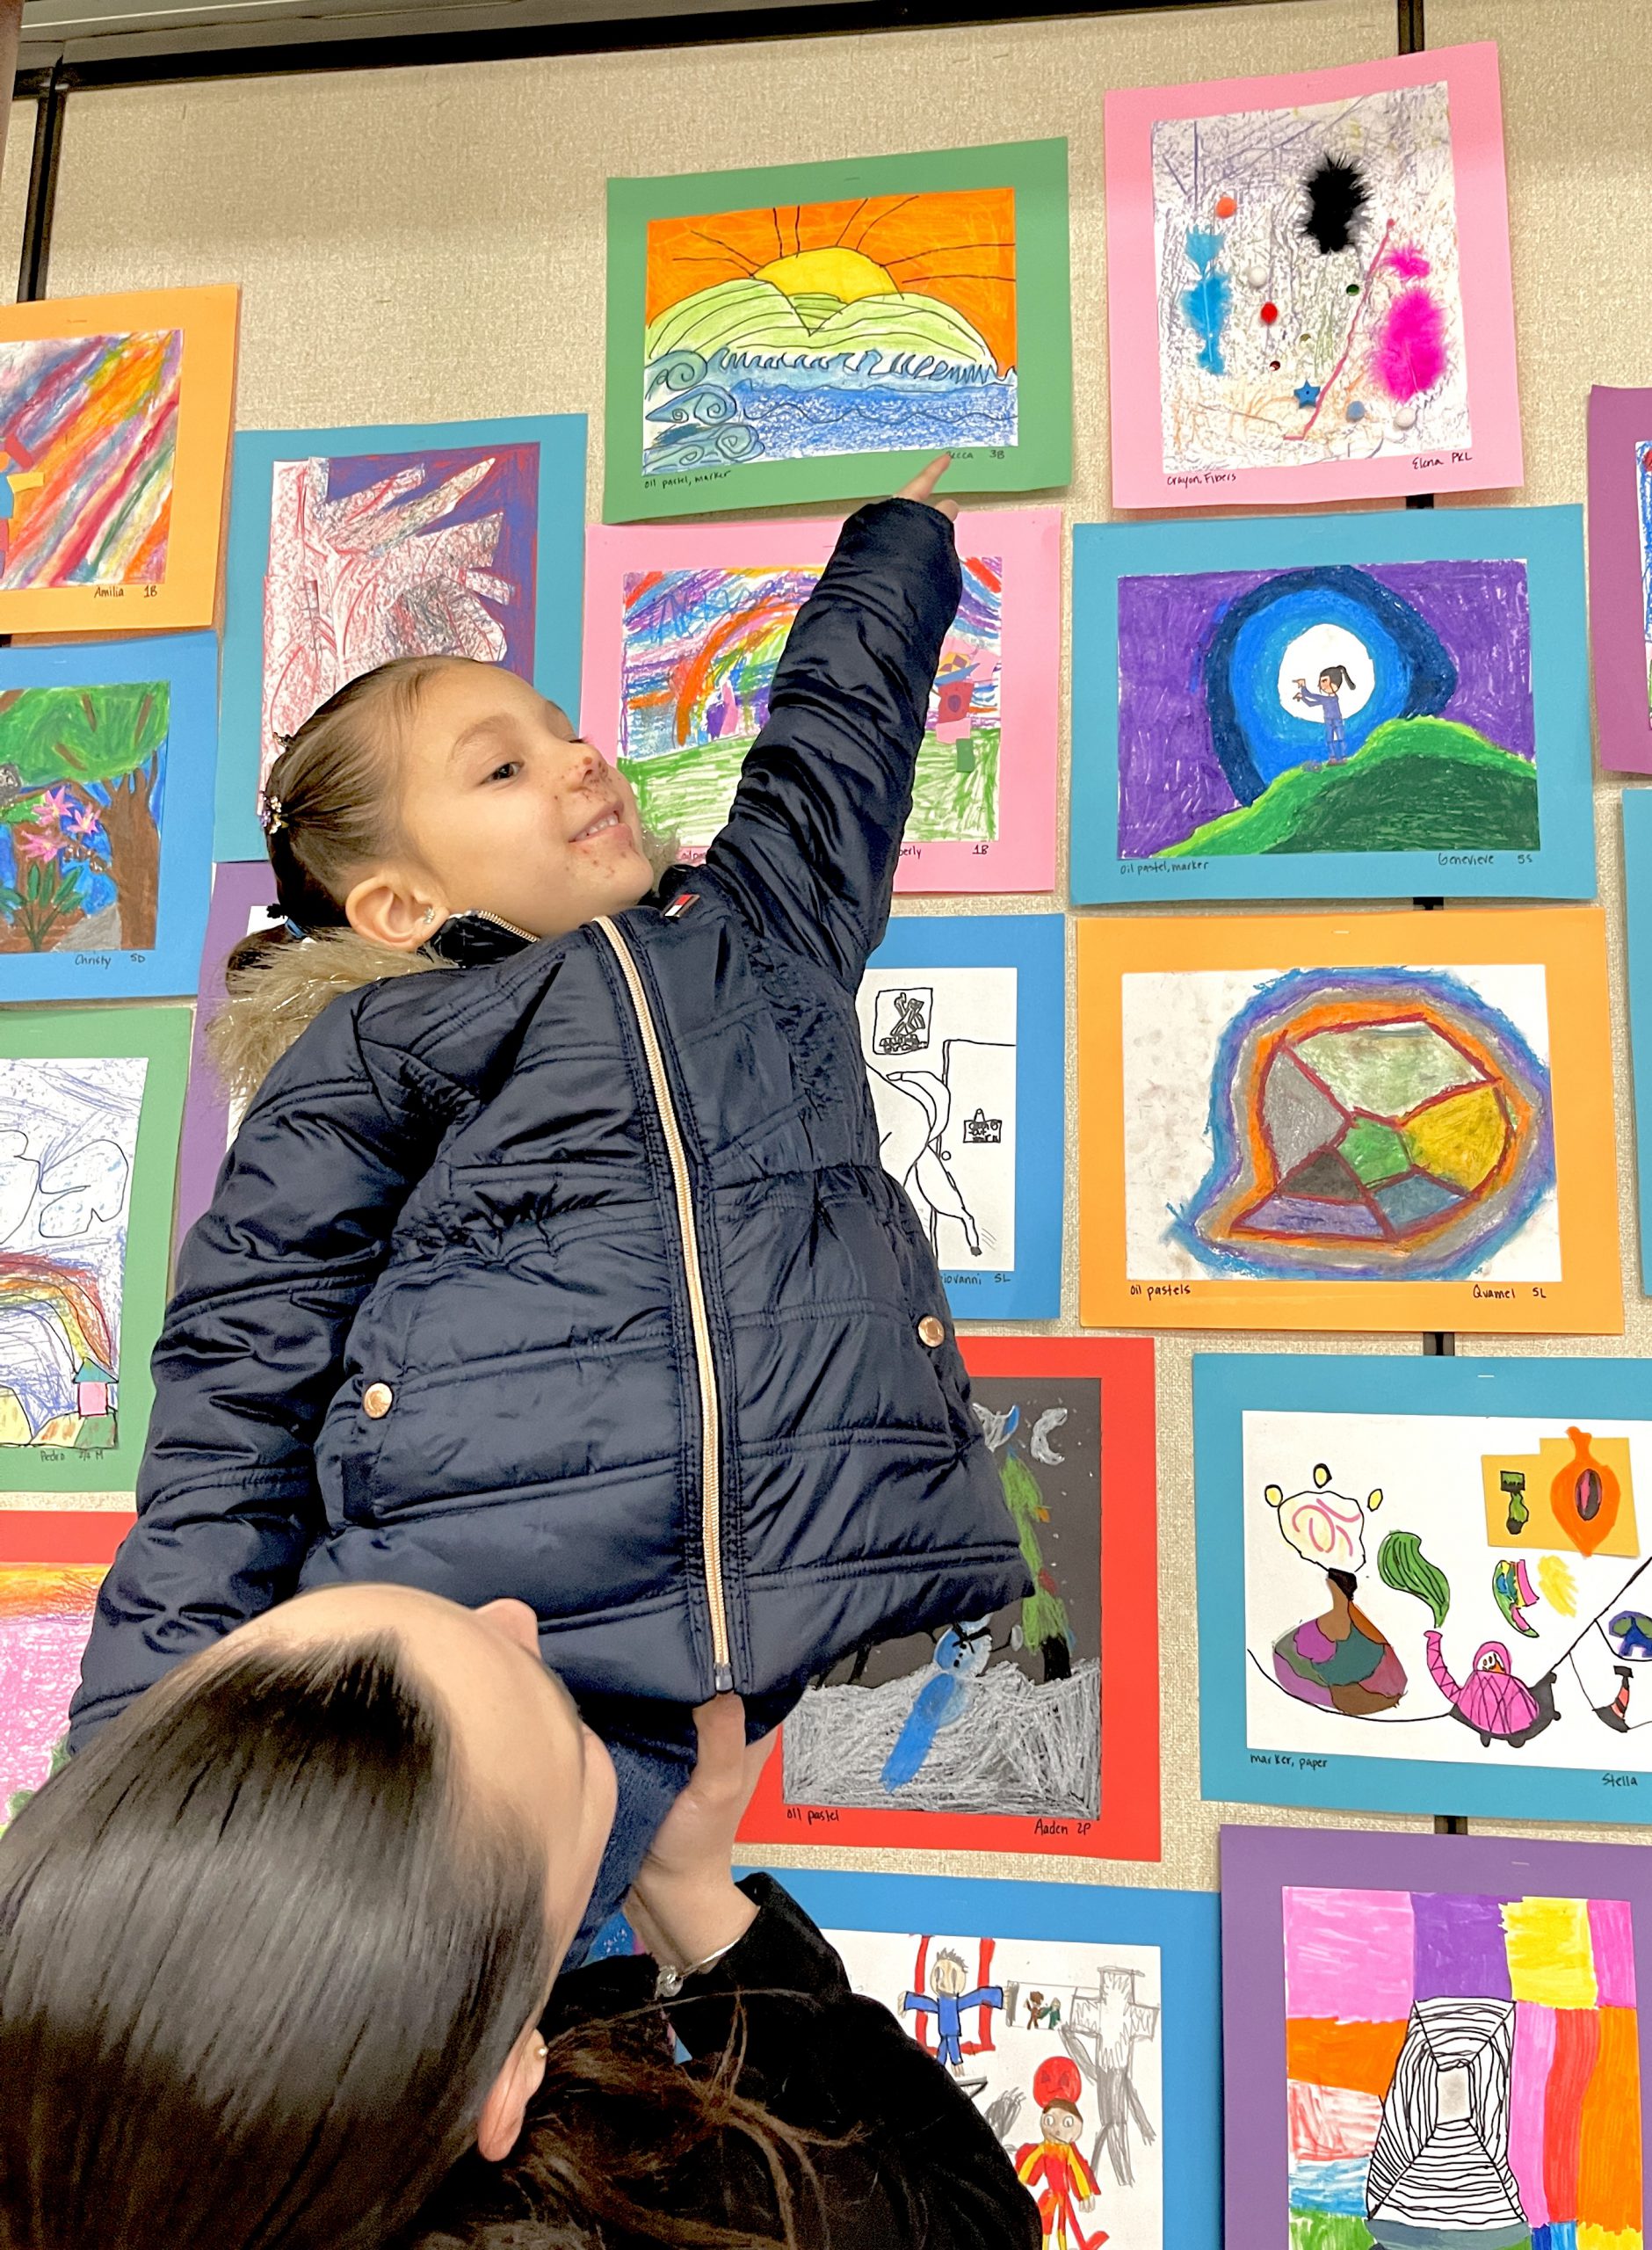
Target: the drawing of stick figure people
(18, 474)
(1101, 2036)
(1059, 2179)
(947, 1979)
(1328, 703)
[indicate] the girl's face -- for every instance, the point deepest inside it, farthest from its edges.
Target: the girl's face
(503, 808)
(1329, 683)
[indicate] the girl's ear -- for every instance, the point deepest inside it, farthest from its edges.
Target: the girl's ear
(393, 911)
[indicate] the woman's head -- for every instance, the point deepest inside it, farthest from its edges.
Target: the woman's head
(1333, 679)
(272, 1950)
(436, 786)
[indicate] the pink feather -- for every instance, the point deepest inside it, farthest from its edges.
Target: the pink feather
(1407, 261)
(1409, 356)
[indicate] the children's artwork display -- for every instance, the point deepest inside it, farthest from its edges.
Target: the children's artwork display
(349, 548)
(1433, 2040)
(1637, 893)
(51, 1563)
(1425, 1585)
(962, 1028)
(1332, 706)
(106, 751)
(1308, 286)
(1388, 1121)
(243, 892)
(115, 414)
(1620, 575)
(1032, 1727)
(1078, 2020)
(818, 332)
(685, 624)
(90, 1103)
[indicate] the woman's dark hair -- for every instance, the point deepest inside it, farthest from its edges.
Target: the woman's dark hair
(256, 1980)
(1337, 675)
(329, 801)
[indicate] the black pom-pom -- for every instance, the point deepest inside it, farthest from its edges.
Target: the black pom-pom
(1336, 197)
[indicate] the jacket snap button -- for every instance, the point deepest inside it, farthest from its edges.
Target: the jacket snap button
(931, 1331)
(377, 1400)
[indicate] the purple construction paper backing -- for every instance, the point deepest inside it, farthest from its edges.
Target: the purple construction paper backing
(1258, 1864)
(1618, 420)
(238, 887)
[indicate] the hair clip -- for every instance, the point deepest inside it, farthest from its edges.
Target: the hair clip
(272, 815)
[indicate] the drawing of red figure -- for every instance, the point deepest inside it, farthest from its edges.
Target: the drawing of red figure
(1052, 2168)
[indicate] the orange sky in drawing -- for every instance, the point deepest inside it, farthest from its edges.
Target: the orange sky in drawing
(957, 245)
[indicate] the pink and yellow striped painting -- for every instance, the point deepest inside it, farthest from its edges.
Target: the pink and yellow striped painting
(46, 1613)
(114, 431)
(88, 439)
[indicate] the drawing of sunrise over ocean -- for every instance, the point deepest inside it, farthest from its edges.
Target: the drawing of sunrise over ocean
(869, 325)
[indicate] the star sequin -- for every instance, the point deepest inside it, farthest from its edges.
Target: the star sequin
(1308, 394)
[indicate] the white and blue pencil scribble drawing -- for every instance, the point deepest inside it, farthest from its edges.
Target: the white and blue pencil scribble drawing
(994, 1714)
(67, 1142)
(1309, 306)
(806, 329)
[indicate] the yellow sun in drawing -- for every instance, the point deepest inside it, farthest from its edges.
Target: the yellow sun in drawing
(846, 274)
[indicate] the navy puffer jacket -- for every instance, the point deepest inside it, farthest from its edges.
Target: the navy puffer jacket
(575, 1276)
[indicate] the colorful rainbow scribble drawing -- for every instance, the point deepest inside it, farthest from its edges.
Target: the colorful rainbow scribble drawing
(396, 554)
(1463, 2071)
(67, 1144)
(1367, 1124)
(700, 652)
(1330, 709)
(46, 1613)
(1309, 293)
(88, 438)
(82, 789)
(867, 325)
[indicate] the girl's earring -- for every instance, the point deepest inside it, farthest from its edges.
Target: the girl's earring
(430, 913)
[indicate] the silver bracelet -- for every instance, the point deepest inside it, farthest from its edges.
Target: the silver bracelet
(669, 1981)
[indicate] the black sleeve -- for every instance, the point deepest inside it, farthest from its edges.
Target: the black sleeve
(811, 843)
(906, 2161)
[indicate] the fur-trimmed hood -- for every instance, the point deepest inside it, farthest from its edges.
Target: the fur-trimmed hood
(279, 993)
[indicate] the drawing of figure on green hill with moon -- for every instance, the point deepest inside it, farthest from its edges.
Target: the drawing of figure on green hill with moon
(1331, 708)
(868, 325)
(699, 655)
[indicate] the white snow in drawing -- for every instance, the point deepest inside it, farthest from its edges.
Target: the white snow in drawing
(1172, 1025)
(1309, 283)
(69, 1135)
(1523, 1635)
(1083, 2021)
(940, 1051)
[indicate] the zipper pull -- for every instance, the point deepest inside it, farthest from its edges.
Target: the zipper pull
(723, 1680)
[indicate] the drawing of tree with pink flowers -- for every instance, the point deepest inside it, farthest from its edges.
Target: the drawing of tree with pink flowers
(81, 781)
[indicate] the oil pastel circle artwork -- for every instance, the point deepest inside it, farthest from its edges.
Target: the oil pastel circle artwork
(1375, 1124)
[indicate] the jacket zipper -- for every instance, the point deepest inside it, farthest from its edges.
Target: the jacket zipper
(499, 922)
(704, 1363)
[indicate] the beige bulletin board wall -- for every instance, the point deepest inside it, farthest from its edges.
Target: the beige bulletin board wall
(422, 245)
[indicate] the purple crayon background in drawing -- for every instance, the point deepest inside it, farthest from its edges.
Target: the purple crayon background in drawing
(1259, 1864)
(1169, 780)
(240, 887)
(1619, 423)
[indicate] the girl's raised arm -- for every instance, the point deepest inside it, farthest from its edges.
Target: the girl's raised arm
(811, 844)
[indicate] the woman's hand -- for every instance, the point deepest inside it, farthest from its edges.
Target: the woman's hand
(684, 1905)
(923, 487)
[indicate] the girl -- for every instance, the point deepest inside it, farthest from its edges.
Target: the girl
(1328, 703)
(555, 1258)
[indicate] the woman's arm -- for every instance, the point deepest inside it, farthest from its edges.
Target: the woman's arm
(811, 844)
(250, 1359)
